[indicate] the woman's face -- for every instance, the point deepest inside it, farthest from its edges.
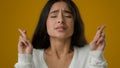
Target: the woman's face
(60, 23)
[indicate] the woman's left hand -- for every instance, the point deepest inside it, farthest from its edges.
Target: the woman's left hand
(98, 42)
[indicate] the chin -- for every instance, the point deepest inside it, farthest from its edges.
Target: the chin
(60, 36)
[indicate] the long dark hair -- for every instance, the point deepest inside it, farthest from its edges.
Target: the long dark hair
(41, 38)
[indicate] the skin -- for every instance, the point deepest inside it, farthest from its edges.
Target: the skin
(60, 27)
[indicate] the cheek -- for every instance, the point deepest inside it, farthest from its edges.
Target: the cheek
(71, 25)
(72, 28)
(50, 27)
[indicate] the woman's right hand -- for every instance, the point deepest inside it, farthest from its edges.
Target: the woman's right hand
(24, 45)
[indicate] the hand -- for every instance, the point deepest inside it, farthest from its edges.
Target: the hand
(24, 45)
(98, 42)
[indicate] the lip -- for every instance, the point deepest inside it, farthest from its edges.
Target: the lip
(60, 28)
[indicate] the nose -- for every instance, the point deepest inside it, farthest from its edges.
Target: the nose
(60, 18)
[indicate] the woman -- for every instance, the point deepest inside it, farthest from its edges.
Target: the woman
(59, 41)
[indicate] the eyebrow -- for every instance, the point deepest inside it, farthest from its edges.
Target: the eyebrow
(55, 11)
(66, 11)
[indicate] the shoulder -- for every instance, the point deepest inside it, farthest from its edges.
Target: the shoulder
(38, 53)
(38, 50)
(38, 58)
(82, 50)
(80, 55)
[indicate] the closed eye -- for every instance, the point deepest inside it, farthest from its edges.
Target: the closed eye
(69, 16)
(53, 16)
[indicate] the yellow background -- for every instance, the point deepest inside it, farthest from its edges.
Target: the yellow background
(24, 14)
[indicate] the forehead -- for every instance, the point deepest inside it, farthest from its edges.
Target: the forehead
(59, 5)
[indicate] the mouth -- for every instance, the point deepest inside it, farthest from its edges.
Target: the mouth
(60, 28)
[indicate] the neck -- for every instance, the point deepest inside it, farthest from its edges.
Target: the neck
(60, 47)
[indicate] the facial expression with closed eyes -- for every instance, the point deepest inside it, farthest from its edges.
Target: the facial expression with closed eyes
(60, 22)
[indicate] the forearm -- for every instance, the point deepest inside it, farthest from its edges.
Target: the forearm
(24, 61)
(96, 60)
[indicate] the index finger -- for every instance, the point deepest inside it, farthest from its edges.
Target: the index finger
(22, 33)
(102, 28)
